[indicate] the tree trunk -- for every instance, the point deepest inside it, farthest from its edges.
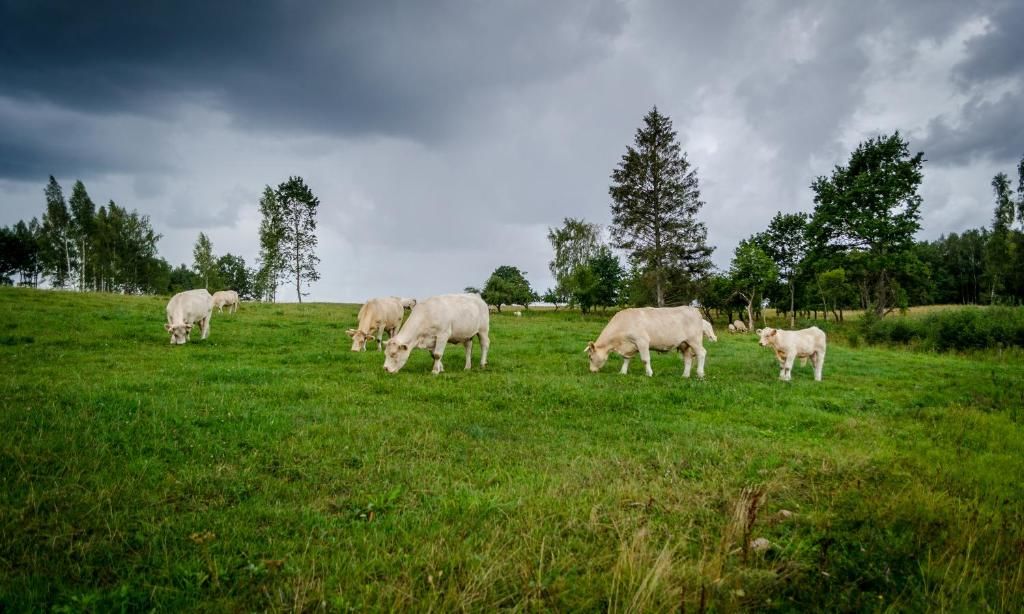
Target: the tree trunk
(792, 301)
(298, 271)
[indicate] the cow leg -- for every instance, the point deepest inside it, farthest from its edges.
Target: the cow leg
(787, 370)
(468, 344)
(625, 365)
(701, 355)
(206, 325)
(439, 344)
(686, 352)
(819, 363)
(645, 356)
(485, 344)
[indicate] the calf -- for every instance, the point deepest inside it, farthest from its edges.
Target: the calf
(437, 321)
(184, 310)
(792, 344)
(640, 330)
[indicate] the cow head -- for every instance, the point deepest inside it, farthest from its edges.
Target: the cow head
(597, 357)
(395, 355)
(179, 332)
(767, 336)
(358, 339)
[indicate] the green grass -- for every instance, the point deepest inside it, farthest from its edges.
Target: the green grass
(269, 468)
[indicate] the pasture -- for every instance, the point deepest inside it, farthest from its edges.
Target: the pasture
(269, 468)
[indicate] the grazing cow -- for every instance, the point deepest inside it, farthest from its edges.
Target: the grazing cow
(186, 309)
(709, 331)
(792, 344)
(739, 326)
(226, 298)
(732, 328)
(437, 321)
(640, 330)
(517, 314)
(377, 316)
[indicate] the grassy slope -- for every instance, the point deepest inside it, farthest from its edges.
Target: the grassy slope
(270, 468)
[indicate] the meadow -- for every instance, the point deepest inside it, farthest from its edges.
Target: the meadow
(270, 468)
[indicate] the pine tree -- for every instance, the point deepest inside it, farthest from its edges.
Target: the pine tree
(297, 206)
(655, 200)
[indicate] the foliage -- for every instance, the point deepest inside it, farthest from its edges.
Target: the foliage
(870, 208)
(574, 244)
(785, 242)
(253, 472)
(969, 328)
(297, 241)
(83, 232)
(204, 263)
(507, 285)
(752, 272)
(655, 200)
(271, 261)
(234, 275)
(56, 243)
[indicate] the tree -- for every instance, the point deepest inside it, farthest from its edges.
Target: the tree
(655, 201)
(233, 274)
(785, 242)
(203, 261)
(58, 248)
(271, 261)
(870, 208)
(553, 296)
(507, 285)
(83, 228)
(598, 283)
(752, 271)
(297, 240)
(574, 243)
(835, 292)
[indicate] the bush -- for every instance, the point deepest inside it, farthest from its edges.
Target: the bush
(969, 328)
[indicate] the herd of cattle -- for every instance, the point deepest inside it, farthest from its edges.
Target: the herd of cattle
(458, 318)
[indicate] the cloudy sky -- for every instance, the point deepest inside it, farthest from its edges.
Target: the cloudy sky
(443, 138)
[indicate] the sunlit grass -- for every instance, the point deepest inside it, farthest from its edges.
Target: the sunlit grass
(270, 468)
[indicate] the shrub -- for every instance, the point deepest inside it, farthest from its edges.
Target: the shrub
(969, 328)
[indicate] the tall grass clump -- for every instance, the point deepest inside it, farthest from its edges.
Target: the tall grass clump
(969, 328)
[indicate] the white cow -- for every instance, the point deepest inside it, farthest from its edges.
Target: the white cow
(709, 331)
(437, 321)
(732, 328)
(640, 330)
(740, 326)
(377, 315)
(226, 298)
(792, 344)
(407, 303)
(186, 309)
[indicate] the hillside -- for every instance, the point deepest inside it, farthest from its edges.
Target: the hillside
(270, 468)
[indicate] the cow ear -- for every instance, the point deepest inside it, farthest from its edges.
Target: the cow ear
(590, 348)
(351, 332)
(758, 331)
(772, 334)
(403, 347)
(167, 327)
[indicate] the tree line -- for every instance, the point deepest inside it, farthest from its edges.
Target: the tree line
(111, 249)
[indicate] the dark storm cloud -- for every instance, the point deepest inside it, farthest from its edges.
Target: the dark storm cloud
(998, 53)
(985, 129)
(405, 68)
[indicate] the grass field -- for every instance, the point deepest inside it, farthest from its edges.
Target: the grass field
(269, 468)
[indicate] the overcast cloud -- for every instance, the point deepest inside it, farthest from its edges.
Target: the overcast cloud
(443, 138)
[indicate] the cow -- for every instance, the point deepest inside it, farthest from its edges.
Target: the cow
(226, 298)
(740, 326)
(642, 329)
(709, 331)
(517, 314)
(376, 316)
(732, 328)
(792, 344)
(407, 303)
(186, 309)
(437, 321)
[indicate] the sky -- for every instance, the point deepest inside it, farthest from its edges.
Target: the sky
(444, 138)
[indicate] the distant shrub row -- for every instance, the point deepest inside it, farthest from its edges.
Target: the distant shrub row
(969, 328)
